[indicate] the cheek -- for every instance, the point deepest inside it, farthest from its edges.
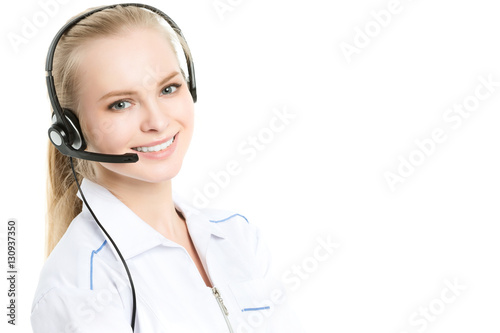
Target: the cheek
(189, 120)
(186, 119)
(108, 136)
(184, 114)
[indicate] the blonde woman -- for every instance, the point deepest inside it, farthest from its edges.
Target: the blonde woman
(123, 254)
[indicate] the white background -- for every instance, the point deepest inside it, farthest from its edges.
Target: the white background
(322, 177)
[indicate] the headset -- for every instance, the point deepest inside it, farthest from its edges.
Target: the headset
(65, 132)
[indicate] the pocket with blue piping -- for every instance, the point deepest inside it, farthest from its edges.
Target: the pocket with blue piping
(257, 295)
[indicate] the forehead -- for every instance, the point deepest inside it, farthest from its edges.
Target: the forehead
(126, 60)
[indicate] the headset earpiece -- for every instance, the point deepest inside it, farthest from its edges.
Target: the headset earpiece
(60, 134)
(78, 140)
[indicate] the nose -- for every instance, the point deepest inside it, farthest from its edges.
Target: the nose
(154, 117)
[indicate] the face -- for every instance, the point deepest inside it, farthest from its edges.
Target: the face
(134, 99)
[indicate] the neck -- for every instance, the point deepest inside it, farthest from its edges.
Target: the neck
(152, 202)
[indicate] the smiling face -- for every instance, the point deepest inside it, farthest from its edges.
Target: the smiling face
(134, 99)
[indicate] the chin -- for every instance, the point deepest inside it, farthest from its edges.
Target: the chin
(160, 174)
(143, 173)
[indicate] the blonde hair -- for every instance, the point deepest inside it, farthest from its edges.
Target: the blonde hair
(62, 203)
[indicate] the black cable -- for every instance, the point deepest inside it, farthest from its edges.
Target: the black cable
(112, 242)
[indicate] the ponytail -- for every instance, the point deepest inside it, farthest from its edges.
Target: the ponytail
(62, 203)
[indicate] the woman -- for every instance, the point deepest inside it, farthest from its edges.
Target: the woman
(132, 257)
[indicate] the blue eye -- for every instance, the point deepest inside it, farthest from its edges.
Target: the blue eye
(170, 89)
(120, 105)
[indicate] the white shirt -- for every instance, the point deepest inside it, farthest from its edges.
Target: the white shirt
(84, 287)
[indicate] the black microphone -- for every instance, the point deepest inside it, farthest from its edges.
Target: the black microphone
(60, 140)
(60, 143)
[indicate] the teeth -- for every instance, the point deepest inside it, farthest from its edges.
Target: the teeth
(155, 148)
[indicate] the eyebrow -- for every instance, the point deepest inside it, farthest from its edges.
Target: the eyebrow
(131, 92)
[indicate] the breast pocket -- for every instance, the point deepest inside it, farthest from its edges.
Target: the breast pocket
(257, 301)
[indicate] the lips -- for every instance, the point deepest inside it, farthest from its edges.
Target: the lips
(157, 147)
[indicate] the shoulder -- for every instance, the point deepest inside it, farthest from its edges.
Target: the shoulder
(69, 260)
(223, 218)
(234, 225)
(228, 219)
(240, 230)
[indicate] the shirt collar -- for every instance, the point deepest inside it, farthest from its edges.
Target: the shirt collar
(131, 234)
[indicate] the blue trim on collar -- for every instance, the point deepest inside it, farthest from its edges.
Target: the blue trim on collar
(92, 264)
(227, 218)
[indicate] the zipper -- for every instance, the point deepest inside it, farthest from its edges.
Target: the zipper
(223, 308)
